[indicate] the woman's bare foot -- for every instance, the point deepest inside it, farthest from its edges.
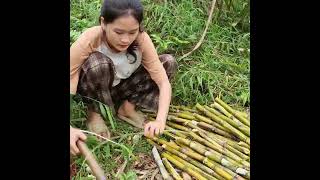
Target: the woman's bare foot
(127, 110)
(96, 124)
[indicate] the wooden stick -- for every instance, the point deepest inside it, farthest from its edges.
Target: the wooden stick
(91, 161)
(163, 170)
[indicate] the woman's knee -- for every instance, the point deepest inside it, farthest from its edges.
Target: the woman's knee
(98, 63)
(97, 71)
(169, 63)
(97, 60)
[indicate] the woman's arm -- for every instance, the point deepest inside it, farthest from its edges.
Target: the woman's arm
(157, 127)
(152, 64)
(80, 50)
(164, 101)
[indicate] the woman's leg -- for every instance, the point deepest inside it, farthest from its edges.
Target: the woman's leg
(141, 90)
(95, 82)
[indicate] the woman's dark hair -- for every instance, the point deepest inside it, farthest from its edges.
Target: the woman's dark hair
(112, 9)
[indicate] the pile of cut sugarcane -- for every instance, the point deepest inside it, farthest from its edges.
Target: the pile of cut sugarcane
(205, 142)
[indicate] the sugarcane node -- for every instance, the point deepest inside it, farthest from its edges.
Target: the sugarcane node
(195, 130)
(205, 160)
(184, 150)
(224, 143)
(194, 122)
(169, 117)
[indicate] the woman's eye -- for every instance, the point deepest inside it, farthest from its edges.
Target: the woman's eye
(119, 33)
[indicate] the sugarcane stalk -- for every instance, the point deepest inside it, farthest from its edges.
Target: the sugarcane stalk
(232, 111)
(177, 111)
(213, 136)
(194, 162)
(172, 109)
(234, 130)
(226, 173)
(243, 114)
(192, 154)
(188, 153)
(235, 123)
(243, 160)
(183, 167)
(174, 131)
(177, 119)
(223, 171)
(213, 155)
(211, 164)
(161, 141)
(227, 141)
(234, 175)
(243, 144)
(223, 143)
(186, 176)
(215, 146)
(209, 121)
(171, 170)
(177, 126)
(173, 113)
(154, 144)
(186, 115)
(229, 163)
(192, 123)
(168, 134)
(157, 158)
(216, 130)
(189, 109)
(232, 143)
(151, 116)
(243, 163)
(183, 108)
(171, 143)
(212, 128)
(230, 156)
(202, 173)
(148, 111)
(221, 109)
(226, 145)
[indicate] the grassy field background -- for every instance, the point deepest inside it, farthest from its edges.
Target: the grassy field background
(220, 67)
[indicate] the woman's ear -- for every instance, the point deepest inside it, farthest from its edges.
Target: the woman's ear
(141, 27)
(102, 23)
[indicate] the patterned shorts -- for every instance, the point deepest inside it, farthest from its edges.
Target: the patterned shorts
(96, 78)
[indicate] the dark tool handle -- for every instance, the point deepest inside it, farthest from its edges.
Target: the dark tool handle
(91, 161)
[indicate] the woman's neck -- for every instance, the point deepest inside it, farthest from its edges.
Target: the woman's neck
(114, 50)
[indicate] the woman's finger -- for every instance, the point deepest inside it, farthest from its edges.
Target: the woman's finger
(151, 131)
(146, 129)
(74, 148)
(157, 131)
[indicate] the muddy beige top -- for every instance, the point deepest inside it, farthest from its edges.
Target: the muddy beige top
(92, 40)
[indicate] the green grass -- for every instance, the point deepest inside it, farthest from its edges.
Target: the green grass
(220, 67)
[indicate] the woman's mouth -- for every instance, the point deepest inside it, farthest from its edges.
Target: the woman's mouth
(123, 46)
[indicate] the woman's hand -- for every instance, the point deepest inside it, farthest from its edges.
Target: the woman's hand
(154, 128)
(75, 135)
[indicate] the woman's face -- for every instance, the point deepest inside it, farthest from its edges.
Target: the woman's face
(121, 32)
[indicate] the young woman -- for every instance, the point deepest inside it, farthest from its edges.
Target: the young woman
(117, 62)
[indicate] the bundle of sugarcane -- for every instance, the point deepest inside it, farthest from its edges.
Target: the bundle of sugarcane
(207, 142)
